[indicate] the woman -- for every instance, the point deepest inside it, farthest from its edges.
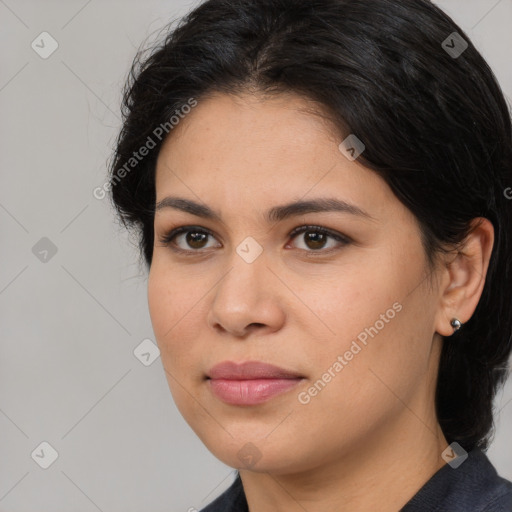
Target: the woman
(320, 194)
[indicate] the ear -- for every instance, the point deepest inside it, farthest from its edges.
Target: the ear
(463, 276)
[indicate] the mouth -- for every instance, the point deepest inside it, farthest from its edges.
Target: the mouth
(251, 382)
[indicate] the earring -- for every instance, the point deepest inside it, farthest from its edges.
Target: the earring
(456, 324)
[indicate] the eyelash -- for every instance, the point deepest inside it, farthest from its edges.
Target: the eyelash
(167, 238)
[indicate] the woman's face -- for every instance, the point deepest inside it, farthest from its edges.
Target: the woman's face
(353, 321)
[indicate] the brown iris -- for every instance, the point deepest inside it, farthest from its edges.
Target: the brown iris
(316, 239)
(195, 238)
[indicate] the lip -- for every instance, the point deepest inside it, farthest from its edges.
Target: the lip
(250, 382)
(249, 370)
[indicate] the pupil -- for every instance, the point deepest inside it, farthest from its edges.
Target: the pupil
(316, 238)
(194, 238)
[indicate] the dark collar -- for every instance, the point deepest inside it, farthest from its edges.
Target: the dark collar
(474, 486)
(231, 500)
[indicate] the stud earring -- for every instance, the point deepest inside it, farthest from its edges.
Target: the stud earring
(456, 324)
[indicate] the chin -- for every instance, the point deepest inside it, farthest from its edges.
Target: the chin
(258, 455)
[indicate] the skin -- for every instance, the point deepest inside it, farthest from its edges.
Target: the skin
(370, 438)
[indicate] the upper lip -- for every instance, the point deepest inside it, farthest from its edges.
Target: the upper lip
(248, 370)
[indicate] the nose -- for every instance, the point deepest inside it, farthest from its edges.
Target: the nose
(247, 299)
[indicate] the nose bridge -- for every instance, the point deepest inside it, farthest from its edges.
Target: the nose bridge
(247, 267)
(243, 293)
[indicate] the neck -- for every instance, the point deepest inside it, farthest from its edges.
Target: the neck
(382, 473)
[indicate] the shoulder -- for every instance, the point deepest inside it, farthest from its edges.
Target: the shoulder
(231, 500)
(502, 500)
(474, 486)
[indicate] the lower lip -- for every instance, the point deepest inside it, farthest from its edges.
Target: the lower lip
(250, 392)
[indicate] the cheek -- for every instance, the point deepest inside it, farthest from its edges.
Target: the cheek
(172, 308)
(372, 318)
(344, 308)
(173, 315)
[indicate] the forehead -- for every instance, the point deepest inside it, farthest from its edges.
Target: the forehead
(249, 150)
(227, 129)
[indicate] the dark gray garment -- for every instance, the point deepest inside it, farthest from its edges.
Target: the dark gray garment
(474, 486)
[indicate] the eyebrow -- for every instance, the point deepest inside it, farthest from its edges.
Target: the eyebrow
(274, 214)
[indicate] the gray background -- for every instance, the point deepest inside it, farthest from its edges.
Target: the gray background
(69, 325)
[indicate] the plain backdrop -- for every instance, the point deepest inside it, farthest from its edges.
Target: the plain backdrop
(73, 298)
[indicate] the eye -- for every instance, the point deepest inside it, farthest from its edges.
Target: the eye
(316, 237)
(196, 239)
